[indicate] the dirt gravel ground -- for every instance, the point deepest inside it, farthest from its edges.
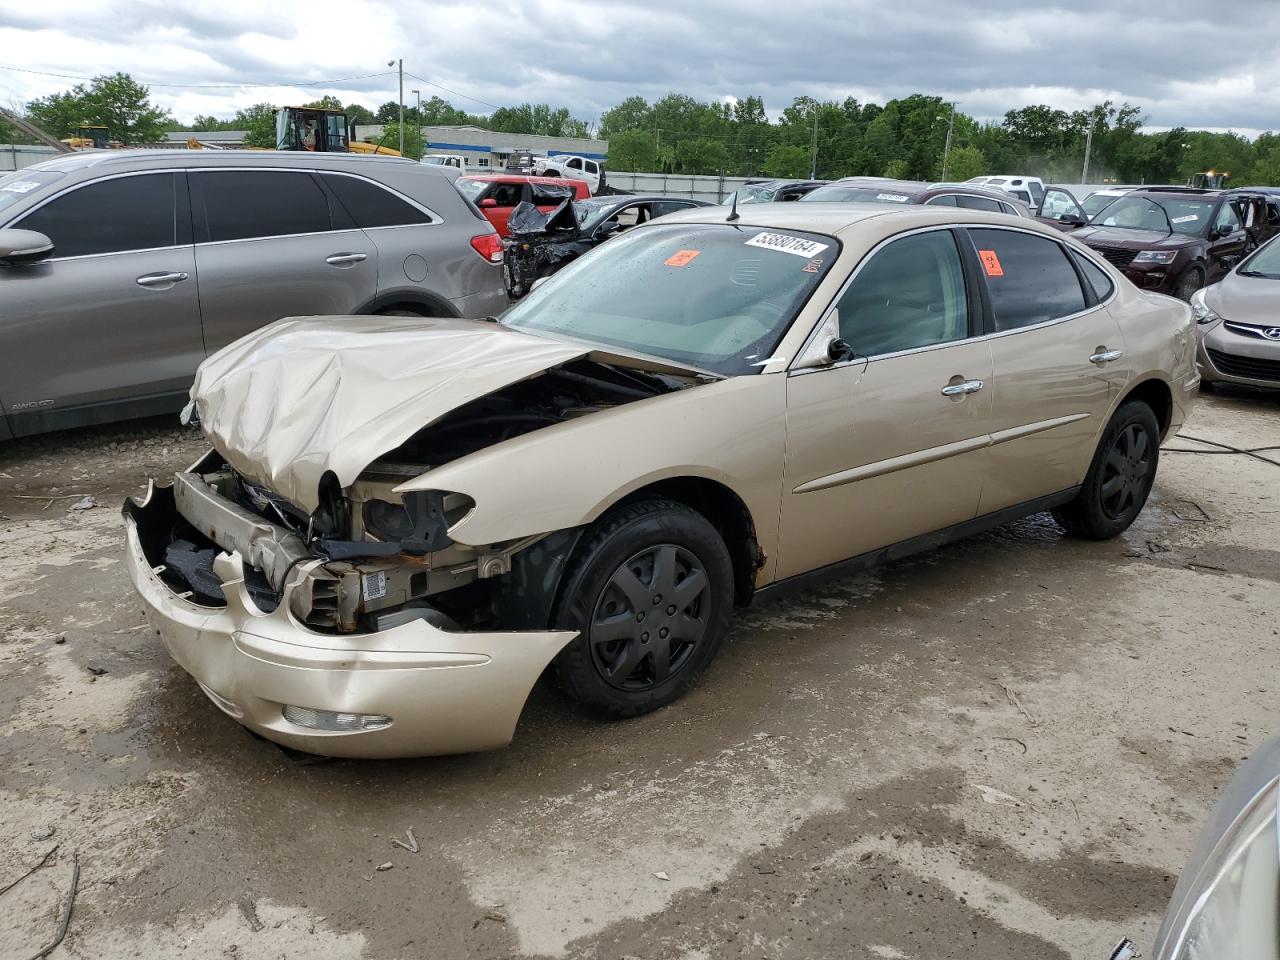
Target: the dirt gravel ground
(1001, 748)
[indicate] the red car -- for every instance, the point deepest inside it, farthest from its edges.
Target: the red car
(497, 194)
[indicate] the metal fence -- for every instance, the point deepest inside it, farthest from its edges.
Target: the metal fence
(15, 156)
(675, 184)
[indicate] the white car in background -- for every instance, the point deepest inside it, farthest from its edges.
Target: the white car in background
(572, 167)
(1030, 190)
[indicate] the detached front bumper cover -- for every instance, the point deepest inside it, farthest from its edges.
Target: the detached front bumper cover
(444, 692)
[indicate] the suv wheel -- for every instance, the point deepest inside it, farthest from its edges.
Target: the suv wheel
(1190, 281)
(649, 591)
(1119, 480)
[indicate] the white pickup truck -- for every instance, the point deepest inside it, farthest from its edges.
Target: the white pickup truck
(571, 167)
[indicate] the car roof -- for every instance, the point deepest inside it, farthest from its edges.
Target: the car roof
(870, 220)
(106, 160)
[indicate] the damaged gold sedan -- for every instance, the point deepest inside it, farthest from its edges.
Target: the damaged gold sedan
(404, 522)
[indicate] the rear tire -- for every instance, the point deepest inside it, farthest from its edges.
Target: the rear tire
(649, 590)
(1119, 480)
(1191, 280)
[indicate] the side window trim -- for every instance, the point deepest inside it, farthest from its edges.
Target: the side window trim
(181, 198)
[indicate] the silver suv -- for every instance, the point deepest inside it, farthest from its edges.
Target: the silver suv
(148, 261)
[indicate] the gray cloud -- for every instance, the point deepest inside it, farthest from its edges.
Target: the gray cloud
(1182, 60)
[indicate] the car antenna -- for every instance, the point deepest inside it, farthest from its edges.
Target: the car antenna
(733, 214)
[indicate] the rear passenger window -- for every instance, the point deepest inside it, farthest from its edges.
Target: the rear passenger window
(241, 204)
(1029, 278)
(1097, 277)
(373, 206)
(979, 203)
(112, 216)
(911, 294)
(942, 200)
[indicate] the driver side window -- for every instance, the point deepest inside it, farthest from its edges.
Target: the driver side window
(1227, 217)
(910, 294)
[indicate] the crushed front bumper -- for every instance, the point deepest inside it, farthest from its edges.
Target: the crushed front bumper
(444, 691)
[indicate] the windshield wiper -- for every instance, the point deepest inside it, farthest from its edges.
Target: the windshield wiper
(1258, 273)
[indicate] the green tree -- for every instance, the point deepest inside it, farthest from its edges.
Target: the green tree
(259, 124)
(787, 161)
(701, 155)
(631, 114)
(116, 102)
(209, 122)
(633, 151)
(391, 138)
(965, 162)
(358, 113)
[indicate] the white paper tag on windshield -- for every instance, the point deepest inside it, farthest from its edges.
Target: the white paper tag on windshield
(1187, 219)
(373, 586)
(785, 243)
(20, 186)
(893, 197)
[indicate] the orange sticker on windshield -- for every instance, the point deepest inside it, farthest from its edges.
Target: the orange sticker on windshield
(681, 257)
(991, 263)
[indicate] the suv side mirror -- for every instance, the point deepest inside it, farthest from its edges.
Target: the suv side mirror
(838, 350)
(1225, 230)
(24, 246)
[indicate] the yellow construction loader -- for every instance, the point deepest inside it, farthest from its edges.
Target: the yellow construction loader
(321, 130)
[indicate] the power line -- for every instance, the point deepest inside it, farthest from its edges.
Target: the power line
(212, 86)
(441, 86)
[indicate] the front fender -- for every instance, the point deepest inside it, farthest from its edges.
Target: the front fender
(731, 431)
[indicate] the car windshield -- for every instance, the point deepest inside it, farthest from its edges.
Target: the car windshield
(471, 188)
(714, 296)
(1265, 263)
(1095, 203)
(18, 185)
(591, 213)
(1186, 216)
(841, 193)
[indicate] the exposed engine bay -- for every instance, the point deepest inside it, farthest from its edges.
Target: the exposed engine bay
(369, 558)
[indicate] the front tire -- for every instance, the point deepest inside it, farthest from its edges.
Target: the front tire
(649, 590)
(1191, 280)
(1120, 478)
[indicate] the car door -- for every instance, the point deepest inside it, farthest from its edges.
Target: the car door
(1059, 209)
(1058, 357)
(271, 244)
(113, 316)
(1227, 240)
(888, 445)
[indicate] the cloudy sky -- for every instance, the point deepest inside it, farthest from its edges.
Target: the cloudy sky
(1186, 62)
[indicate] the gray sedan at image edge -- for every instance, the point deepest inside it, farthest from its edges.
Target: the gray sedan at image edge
(1239, 323)
(120, 271)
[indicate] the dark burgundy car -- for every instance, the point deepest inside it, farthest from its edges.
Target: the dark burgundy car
(1177, 240)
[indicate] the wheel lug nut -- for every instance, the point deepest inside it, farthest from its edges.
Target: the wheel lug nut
(671, 610)
(644, 638)
(657, 599)
(663, 632)
(640, 617)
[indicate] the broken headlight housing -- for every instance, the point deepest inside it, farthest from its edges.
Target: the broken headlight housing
(387, 521)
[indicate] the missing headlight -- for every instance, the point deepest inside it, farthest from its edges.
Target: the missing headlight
(387, 521)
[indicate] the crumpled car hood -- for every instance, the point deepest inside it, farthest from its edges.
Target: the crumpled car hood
(306, 395)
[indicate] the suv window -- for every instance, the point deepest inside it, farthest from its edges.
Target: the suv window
(1097, 277)
(970, 202)
(660, 208)
(910, 294)
(1029, 278)
(241, 204)
(506, 194)
(371, 205)
(112, 216)
(1227, 217)
(942, 200)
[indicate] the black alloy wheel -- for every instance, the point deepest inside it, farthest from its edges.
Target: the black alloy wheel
(649, 617)
(1124, 471)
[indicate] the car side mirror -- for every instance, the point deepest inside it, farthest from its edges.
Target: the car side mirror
(608, 228)
(488, 203)
(24, 246)
(1073, 218)
(1225, 230)
(839, 351)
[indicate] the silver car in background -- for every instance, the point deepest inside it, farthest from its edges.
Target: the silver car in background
(120, 271)
(1239, 323)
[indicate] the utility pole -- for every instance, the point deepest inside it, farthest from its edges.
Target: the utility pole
(946, 150)
(418, 114)
(813, 149)
(1088, 146)
(400, 64)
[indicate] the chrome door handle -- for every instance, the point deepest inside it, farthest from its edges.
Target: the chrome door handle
(160, 279)
(960, 389)
(1106, 356)
(345, 259)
